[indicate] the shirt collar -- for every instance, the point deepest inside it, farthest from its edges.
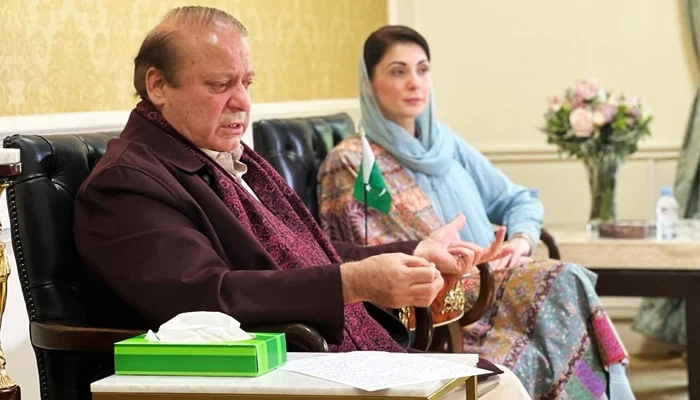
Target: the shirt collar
(230, 161)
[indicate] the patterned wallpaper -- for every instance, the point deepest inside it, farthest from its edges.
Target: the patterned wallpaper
(77, 55)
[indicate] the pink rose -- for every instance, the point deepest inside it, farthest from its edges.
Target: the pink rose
(581, 120)
(577, 102)
(587, 89)
(609, 110)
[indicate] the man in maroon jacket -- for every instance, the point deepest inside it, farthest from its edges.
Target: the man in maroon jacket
(179, 215)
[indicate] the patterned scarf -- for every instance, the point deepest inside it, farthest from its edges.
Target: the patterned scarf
(285, 228)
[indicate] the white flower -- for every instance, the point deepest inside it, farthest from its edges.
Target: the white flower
(599, 118)
(555, 104)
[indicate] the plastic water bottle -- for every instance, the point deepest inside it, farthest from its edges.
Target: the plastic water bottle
(666, 214)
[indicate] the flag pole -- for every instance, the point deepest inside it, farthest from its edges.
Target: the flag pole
(362, 134)
(366, 230)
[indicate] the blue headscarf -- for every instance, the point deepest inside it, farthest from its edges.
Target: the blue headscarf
(433, 160)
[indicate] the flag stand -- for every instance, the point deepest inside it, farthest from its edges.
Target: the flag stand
(366, 230)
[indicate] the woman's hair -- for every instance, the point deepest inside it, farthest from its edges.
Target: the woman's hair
(383, 38)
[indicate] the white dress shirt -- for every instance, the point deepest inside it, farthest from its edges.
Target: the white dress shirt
(230, 161)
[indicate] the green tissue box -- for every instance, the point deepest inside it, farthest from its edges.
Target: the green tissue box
(253, 357)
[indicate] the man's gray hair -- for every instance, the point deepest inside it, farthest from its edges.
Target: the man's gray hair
(159, 49)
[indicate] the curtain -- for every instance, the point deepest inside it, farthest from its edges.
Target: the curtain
(687, 183)
(661, 318)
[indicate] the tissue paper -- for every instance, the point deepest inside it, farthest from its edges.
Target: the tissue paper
(200, 327)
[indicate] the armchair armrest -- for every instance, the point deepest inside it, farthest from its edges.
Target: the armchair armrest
(424, 329)
(300, 336)
(487, 288)
(66, 336)
(551, 244)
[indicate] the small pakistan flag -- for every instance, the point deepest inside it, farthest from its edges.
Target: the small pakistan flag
(369, 185)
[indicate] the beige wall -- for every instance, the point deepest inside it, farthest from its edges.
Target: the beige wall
(495, 64)
(76, 55)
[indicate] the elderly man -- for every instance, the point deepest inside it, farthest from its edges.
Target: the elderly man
(179, 215)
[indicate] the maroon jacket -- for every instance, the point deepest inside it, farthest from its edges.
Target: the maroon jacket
(158, 241)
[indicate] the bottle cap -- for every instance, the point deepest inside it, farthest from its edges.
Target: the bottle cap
(666, 191)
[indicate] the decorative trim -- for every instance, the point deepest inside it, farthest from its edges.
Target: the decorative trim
(519, 153)
(106, 121)
(306, 107)
(392, 12)
(48, 124)
(402, 12)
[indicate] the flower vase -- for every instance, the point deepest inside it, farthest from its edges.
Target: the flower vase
(602, 179)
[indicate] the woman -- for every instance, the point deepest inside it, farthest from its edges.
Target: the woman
(547, 323)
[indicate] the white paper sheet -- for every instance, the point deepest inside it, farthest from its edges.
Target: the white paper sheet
(376, 370)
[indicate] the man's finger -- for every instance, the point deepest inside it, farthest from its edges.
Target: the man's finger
(413, 261)
(427, 291)
(438, 284)
(421, 275)
(422, 294)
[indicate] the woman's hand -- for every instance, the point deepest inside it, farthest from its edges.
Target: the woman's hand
(452, 255)
(518, 249)
(446, 249)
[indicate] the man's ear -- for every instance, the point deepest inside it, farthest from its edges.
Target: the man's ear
(155, 86)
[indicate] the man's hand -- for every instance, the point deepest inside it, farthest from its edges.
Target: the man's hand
(391, 280)
(453, 256)
(519, 248)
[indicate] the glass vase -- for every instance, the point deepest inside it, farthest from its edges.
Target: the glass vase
(602, 179)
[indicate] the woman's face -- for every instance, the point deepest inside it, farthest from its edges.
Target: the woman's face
(401, 82)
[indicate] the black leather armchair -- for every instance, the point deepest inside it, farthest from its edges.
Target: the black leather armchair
(70, 353)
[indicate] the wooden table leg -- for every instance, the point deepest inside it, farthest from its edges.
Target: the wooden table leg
(663, 282)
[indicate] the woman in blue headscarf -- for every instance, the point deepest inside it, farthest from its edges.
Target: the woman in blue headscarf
(546, 322)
